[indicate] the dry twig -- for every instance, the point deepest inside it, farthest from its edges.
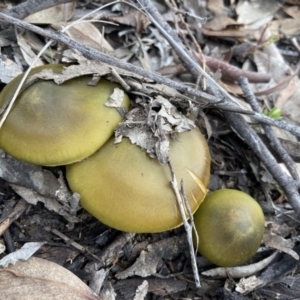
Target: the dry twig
(93, 54)
(29, 7)
(274, 141)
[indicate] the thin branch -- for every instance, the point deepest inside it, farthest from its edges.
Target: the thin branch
(274, 141)
(93, 54)
(286, 183)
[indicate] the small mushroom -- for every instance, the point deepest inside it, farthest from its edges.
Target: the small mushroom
(125, 189)
(52, 124)
(230, 226)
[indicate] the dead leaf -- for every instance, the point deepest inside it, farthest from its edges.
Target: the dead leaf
(116, 98)
(287, 98)
(50, 203)
(97, 280)
(8, 69)
(39, 279)
(146, 264)
(28, 175)
(248, 284)
(219, 23)
(251, 11)
(133, 18)
(275, 241)
(37, 45)
(58, 13)
(162, 287)
(163, 120)
(28, 54)
(87, 34)
(108, 292)
(293, 11)
(216, 6)
(289, 27)
(141, 291)
(24, 253)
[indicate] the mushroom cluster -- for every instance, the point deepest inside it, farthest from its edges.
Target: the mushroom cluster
(120, 185)
(52, 124)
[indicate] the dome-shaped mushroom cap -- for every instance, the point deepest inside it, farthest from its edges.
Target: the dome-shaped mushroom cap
(230, 226)
(52, 124)
(126, 189)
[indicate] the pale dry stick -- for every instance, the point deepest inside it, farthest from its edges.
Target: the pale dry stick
(241, 271)
(93, 54)
(188, 227)
(192, 223)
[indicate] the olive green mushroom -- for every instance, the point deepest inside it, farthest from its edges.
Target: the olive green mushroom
(230, 227)
(125, 189)
(52, 124)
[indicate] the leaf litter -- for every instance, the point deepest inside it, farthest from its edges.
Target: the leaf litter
(154, 119)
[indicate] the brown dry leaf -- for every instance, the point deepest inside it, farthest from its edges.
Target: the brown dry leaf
(25, 47)
(133, 18)
(216, 6)
(221, 20)
(293, 11)
(37, 45)
(58, 13)
(87, 34)
(219, 23)
(39, 279)
(289, 27)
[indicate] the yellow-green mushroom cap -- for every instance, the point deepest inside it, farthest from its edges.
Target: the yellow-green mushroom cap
(230, 226)
(52, 124)
(125, 189)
